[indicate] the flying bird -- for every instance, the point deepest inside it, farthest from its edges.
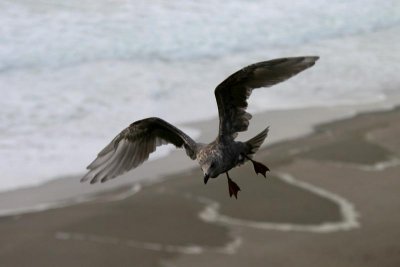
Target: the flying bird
(134, 144)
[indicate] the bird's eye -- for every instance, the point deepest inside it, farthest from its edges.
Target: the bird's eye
(212, 165)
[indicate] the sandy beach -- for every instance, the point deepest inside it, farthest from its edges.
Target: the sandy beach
(331, 200)
(73, 74)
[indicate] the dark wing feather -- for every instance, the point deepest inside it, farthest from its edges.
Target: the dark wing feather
(232, 93)
(133, 146)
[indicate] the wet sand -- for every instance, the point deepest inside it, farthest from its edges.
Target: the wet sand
(332, 199)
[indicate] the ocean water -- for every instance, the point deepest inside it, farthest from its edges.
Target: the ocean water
(74, 73)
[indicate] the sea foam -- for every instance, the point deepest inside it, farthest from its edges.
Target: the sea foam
(73, 74)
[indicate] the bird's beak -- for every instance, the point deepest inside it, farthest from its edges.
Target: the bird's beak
(206, 177)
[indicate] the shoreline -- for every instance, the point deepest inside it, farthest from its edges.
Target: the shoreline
(325, 189)
(69, 191)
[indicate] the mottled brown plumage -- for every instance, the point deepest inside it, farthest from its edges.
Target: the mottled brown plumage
(134, 144)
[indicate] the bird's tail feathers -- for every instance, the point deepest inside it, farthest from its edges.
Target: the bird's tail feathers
(255, 142)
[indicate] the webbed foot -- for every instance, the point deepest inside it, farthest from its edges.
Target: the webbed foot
(259, 167)
(232, 186)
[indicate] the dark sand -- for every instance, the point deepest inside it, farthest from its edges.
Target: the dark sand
(356, 159)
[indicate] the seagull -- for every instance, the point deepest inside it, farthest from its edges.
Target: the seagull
(131, 147)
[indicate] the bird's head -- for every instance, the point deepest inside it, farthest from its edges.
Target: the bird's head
(211, 168)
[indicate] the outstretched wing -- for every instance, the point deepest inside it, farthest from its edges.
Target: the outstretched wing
(133, 146)
(232, 93)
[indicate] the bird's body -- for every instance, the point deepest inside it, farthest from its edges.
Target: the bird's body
(221, 156)
(134, 144)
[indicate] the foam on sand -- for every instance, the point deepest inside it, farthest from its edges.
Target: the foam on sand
(349, 214)
(229, 248)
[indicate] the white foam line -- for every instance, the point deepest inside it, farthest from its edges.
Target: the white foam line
(379, 166)
(349, 214)
(65, 203)
(229, 248)
(121, 196)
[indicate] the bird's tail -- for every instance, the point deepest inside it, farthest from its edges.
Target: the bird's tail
(254, 143)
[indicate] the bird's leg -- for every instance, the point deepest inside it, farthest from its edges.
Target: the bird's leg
(232, 186)
(259, 167)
